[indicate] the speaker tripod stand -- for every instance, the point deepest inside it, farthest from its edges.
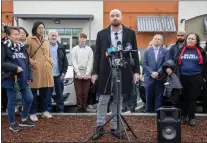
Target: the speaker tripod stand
(116, 79)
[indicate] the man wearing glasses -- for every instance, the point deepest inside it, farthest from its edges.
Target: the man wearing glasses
(101, 69)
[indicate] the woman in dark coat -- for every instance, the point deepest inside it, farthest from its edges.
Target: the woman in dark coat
(190, 61)
(16, 76)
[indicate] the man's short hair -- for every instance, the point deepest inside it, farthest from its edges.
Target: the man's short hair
(81, 34)
(159, 35)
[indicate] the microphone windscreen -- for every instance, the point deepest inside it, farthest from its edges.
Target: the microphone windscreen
(118, 42)
(111, 50)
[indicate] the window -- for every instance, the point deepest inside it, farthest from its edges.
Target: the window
(76, 31)
(93, 42)
(75, 41)
(65, 31)
(68, 32)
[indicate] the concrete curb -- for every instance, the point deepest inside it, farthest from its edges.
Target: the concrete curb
(94, 114)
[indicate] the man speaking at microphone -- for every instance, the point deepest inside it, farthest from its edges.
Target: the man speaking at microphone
(101, 69)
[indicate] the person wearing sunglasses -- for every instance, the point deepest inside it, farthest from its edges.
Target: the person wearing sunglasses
(111, 36)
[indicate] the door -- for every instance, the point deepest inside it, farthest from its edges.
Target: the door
(66, 41)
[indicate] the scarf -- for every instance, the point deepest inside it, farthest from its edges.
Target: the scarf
(13, 46)
(188, 47)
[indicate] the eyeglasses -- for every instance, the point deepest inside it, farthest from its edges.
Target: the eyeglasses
(180, 35)
(116, 36)
(41, 28)
(22, 33)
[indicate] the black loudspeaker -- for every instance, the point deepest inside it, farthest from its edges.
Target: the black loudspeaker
(168, 125)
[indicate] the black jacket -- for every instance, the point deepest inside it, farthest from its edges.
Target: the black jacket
(101, 65)
(9, 68)
(173, 83)
(62, 59)
(173, 51)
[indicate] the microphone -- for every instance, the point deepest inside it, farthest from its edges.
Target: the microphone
(129, 48)
(111, 50)
(132, 63)
(119, 47)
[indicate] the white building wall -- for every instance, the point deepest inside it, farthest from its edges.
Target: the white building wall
(62, 7)
(190, 9)
(27, 24)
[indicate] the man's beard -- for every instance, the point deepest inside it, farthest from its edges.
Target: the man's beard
(180, 40)
(53, 41)
(115, 23)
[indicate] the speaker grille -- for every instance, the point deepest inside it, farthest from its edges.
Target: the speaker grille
(169, 132)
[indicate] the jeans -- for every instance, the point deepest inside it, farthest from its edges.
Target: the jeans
(62, 84)
(43, 93)
(130, 100)
(4, 99)
(27, 97)
(59, 95)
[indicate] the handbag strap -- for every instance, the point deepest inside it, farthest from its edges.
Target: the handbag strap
(37, 49)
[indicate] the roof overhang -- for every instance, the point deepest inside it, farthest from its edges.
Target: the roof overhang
(55, 16)
(156, 24)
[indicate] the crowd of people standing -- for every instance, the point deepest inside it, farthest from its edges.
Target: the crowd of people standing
(35, 65)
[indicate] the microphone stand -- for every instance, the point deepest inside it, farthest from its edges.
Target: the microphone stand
(117, 82)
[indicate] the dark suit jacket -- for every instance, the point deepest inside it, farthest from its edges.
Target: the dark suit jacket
(101, 65)
(150, 65)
